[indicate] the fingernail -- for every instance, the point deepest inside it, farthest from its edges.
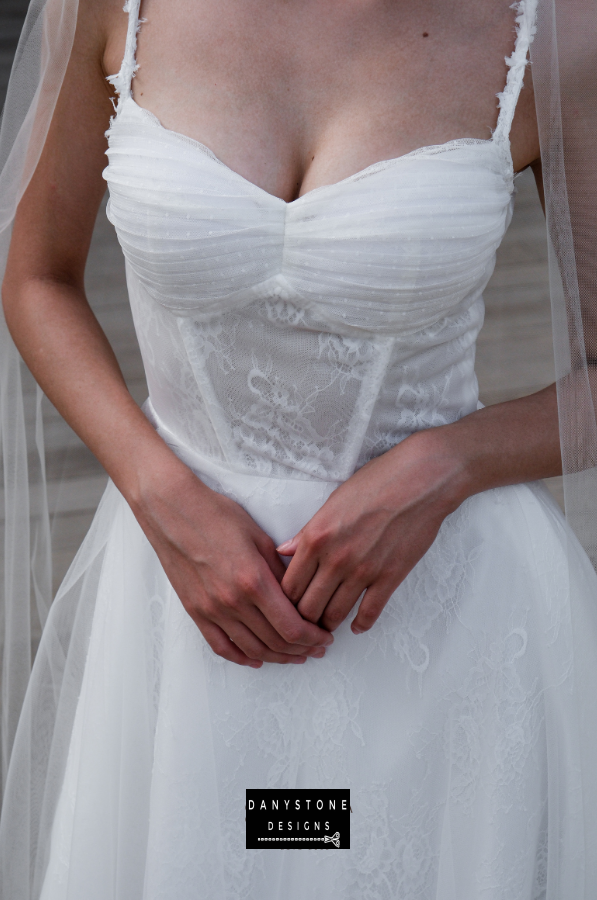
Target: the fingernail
(299, 659)
(329, 641)
(319, 652)
(283, 547)
(255, 664)
(356, 629)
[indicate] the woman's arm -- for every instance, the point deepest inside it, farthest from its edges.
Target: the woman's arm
(221, 564)
(376, 526)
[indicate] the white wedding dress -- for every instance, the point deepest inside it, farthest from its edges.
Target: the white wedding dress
(285, 344)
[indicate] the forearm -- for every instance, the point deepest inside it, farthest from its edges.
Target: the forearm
(506, 443)
(69, 355)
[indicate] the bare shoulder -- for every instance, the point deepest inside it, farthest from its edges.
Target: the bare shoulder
(96, 20)
(100, 33)
(113, 23)
(56, 214)
(84, 103)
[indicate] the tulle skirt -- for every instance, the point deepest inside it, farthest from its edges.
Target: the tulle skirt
(464, 724)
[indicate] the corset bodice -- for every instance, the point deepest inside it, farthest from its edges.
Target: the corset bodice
(303, 338)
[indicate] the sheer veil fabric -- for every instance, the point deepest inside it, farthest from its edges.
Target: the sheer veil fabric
(38, 69)
(565, 81)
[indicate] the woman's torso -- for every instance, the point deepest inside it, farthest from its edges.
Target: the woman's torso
(303, 337)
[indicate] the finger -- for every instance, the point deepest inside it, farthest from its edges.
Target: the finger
(282, 615)
(259, 625)
(221, 644)
(319, 592)
(244, 638)
(288, 548)
(267, 549)
(343, 601)
(300, 571)
(371, 607)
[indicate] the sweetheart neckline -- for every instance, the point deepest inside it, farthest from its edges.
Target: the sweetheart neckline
(322, 187)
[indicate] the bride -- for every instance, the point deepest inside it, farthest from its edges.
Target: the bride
(309, 197)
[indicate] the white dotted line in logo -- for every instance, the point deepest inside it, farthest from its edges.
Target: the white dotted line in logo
(327, 839)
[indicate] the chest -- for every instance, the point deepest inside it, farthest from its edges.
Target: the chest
(296, 94)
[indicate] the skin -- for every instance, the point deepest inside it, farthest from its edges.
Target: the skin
(291, 94)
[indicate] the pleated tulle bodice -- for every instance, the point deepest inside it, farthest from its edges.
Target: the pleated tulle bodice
(389, 250)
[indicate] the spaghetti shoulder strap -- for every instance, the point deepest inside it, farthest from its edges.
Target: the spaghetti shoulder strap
(122, 81)
(525, 29)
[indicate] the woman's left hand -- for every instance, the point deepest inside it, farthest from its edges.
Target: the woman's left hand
(373, 530)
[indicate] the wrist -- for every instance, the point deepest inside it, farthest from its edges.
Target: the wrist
(448, 456)
(472, 461)
(154, 471)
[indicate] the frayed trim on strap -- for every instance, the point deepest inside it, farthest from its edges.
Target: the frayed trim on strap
(525, 24)
(123, 79)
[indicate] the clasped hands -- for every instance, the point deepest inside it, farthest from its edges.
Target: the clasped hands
(365, 539)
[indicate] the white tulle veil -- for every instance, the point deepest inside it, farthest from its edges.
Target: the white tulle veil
(38, 70)
(564, 60)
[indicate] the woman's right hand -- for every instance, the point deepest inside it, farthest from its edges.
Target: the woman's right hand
(225, 570)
